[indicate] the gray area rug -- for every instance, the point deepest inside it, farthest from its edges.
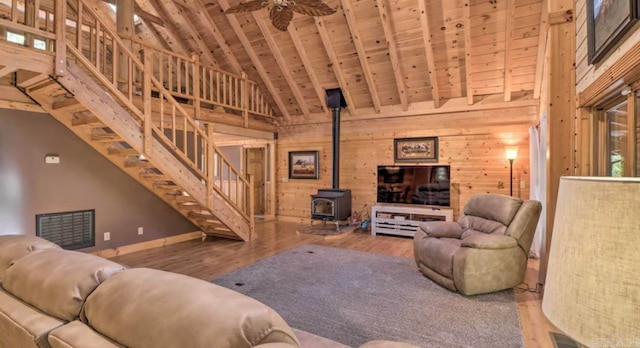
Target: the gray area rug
(354, 297)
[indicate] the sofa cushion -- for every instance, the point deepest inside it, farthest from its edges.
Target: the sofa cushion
(78, 334)
(498, 208)
(15, 246)
(22, 325)
(149, 308)
(57, 281)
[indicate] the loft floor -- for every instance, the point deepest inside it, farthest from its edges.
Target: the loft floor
(216, 256)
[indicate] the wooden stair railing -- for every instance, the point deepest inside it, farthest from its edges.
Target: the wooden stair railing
(154, 122)
(97, 48)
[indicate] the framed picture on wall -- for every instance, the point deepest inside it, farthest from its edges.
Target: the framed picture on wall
(303, 164)
(607, 22)
(416, 149)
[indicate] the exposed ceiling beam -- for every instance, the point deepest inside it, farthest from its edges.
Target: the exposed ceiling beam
(335, 64)
(7, 70)
(362, 55)
(237, 29)
(141, 13)
(467, 49)
(308, 66)
(393, 52)
(542, 49)
(172, 37)
(211, 27)
(148, 32)
(282, 64)
(431, 64)
(148, 16)
(180, 19)
(508, 60)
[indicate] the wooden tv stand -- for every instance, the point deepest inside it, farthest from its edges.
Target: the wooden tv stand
(404, 220)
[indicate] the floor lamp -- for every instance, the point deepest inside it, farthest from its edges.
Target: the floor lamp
(512, 153)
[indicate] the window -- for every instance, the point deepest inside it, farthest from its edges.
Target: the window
(39, 44)
(617, 145)
(615, 136)
(15, 38)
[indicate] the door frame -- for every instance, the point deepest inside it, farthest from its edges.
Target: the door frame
(269, 147)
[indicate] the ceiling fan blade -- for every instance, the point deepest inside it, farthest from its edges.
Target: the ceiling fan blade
(311, 7)
(247, 6)
(280, 17)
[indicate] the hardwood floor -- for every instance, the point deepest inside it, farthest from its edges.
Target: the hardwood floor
(214, 256)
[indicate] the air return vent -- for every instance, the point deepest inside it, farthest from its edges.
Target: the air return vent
(70, 230)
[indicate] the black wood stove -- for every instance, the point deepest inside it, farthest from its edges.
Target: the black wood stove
(333, 204)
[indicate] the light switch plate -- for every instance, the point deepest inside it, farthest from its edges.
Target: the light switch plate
(51, 159)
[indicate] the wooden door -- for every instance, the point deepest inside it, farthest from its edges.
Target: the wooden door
(255, 164)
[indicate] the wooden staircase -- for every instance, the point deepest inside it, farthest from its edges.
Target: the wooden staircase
(111, 99)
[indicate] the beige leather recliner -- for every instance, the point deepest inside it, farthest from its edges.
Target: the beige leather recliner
(486, 250)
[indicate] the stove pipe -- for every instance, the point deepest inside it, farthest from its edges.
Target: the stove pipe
(335, 101)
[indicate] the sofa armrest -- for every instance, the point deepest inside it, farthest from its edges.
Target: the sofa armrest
(442, 229)
(489, 241)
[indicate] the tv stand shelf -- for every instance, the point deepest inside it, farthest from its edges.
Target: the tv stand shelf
(404, 221)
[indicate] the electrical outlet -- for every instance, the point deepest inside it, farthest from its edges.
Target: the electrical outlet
(140, 231)
(522, 184)
(107, 236)
(285, 179)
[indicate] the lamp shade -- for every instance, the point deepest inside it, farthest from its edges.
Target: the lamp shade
(511, 153)
(592, 289)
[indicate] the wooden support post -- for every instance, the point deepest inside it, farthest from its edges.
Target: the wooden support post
(146, 100)
(245, 99)
(124, 18)
(250, 211)
(561, 110)
(61, 47)
(195, 85)
(210, 166)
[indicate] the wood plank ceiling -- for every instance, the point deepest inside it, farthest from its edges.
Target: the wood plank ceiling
(380, 52)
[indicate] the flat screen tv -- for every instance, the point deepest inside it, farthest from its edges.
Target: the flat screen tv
(421, 185)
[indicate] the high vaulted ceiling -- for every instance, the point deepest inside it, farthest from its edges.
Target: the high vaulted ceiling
(380, 52)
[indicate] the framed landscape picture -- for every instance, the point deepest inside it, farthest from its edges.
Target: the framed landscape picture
(607, 22)
(416, 149)
(303, 164)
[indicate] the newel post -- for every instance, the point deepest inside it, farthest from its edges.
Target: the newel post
(146, 100)
(210, 165)
(61, 48)
(196, 85)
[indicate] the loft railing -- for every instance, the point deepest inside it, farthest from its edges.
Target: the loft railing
(132, 80)
(31, 23)
(185, 77)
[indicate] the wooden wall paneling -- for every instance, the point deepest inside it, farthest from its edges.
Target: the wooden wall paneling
(561, 111)
(448, 45)
(282, 63)
(362, 55)
(388, 28)
(472, 143)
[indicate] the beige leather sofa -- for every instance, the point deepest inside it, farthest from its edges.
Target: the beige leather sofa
(51, 297)
(485, 250)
